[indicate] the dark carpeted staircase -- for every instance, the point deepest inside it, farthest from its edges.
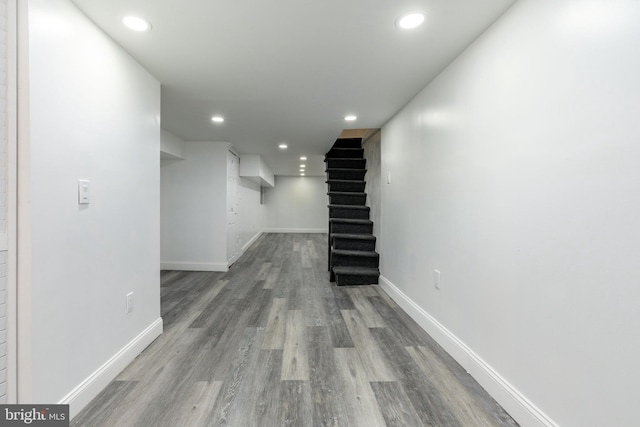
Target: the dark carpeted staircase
(352, 256)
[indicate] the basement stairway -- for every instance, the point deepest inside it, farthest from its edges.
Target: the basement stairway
(352, 256)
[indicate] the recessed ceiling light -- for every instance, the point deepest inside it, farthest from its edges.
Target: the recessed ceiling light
(283, 146)
(303, 166)
(410, 20)
(217, 119)
(302, 174)
(136, 24)
(350, 118)
(303, 158)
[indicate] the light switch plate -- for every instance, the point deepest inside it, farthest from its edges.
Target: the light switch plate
(129, 308)
(83, 191)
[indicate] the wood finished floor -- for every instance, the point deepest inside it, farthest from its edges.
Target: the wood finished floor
(273, 343)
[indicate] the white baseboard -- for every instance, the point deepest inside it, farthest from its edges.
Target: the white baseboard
(514, 402)
(296, 230)
(194, 266)
(96, 382)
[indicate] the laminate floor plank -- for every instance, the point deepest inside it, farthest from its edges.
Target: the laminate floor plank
(295, 363)
(375, 364)
(159, 352)
(314, 307)
(276, 325)
(190, 299)
(314, 248)
(259, 308)
(229, 409)
(361, 303)
(468, 408)
(272, 342)
(338, 331)
(143, 396)
(263, 273)
(295, 409)
(305, 256)
(362, 406)
(263, 403)
(226, 350)
(342, 298)
(197, 405)
(405, 329)
(327, 389)
(395, 406)
(105, 404)
(431, 406)
(272, 277)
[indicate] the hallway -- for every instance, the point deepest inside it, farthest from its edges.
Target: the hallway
(273, 343)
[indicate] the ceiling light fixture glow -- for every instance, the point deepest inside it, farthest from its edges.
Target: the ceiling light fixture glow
(350, 118)
(136, 24)
(410, 20)
(283, 146)
(217, 119)
(301, 174)
(303, 158)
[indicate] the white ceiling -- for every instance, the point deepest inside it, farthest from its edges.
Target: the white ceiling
(289, 70)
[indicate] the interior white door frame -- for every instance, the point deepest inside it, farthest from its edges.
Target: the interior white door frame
(22, 261)
(10, 239)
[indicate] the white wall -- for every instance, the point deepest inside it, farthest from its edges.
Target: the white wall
(252, 213)
(374, 181)
(515, 173)
(95, 115)
(193, 208)
(171, 146)
(297, 204)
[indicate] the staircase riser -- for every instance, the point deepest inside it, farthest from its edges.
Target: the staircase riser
(348, 213)
(348, 143)
(342, 199)
(352, 228)
(354, 174)
(354, 245)
(347, 186)
(353, 261)
(345, 154)
(346, 163)
(349, 279)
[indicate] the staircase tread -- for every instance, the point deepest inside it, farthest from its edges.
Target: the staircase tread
(355, 270)
(353, 252)
(345, 180)
(349, 207)
(344, 158)
(353, 236)
(345, 193)
(351, 221)
(345, 169)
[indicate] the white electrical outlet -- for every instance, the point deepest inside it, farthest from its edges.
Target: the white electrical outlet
(436, 279)
(129, 302)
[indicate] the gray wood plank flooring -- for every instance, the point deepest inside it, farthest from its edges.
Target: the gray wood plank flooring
(273, 343)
